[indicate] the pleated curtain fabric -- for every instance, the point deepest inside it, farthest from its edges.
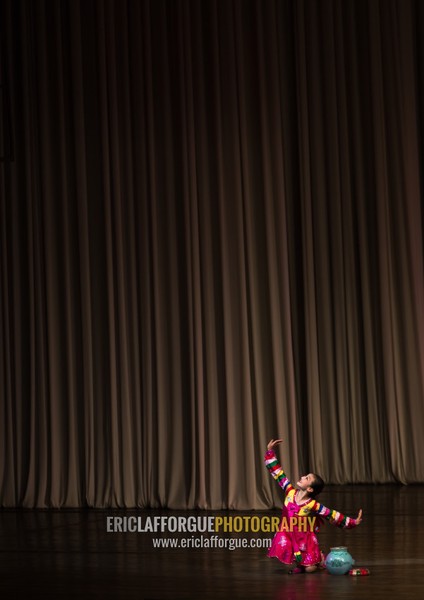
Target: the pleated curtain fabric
(210, 235)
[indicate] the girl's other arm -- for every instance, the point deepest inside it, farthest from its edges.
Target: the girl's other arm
(275, 469)
(336, 518)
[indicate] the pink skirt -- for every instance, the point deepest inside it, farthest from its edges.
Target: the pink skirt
(285, 544)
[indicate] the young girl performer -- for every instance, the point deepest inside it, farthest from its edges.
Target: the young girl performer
(296, 541)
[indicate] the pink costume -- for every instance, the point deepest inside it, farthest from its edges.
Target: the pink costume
(298, 542)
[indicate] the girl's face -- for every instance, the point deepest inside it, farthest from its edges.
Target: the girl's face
(305, 481)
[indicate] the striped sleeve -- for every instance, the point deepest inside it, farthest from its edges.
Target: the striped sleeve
(333, 517)
(277, 472)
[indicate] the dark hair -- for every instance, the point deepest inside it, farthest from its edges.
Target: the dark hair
(317, 485)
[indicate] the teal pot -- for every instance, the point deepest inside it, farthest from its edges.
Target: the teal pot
(339, 561)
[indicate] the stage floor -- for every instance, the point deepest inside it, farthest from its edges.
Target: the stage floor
(70, 554)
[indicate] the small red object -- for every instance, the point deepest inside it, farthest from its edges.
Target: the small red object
(361, 571)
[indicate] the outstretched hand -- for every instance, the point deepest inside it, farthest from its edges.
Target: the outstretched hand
(273, 443)
(359, 517)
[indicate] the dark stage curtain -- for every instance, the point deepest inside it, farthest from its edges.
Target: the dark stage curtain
(211, 234)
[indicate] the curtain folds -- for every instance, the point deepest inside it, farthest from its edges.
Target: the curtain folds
(211, 235)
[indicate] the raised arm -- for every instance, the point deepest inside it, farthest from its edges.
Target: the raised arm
(275, 469)
(334, 517)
